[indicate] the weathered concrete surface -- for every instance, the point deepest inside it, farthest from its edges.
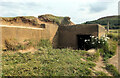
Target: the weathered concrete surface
(68, 34)
(61, 37)
(21, 33)
(101, 31)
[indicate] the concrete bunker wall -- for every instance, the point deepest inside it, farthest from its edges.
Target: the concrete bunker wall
(68, 34)
(101, 31)
(21, 34)
(61, 37)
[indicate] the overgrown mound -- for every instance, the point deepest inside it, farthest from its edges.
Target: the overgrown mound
(34, 21)
(20, 20)
(55, 19)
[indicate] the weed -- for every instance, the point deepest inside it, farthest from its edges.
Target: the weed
(110, 68)
(100, 73)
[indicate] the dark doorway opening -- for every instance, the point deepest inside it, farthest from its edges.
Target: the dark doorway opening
(82, 44)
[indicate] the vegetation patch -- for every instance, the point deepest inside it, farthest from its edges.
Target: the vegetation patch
(56, 62)
(110, 68)
(113, 36)
(55, 19)
(108, 50)
(100, 73)
(48, 62)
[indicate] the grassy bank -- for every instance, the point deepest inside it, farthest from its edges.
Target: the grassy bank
(47, 61)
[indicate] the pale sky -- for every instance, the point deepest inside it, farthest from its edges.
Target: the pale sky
(79, 10)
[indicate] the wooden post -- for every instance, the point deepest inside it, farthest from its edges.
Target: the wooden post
(108, 27)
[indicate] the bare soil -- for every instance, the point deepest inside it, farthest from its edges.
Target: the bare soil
(32, 50)
(100, 66)
(114, 59)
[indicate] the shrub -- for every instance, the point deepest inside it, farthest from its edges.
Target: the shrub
(106, 53)
(107, 48)
(96, 43)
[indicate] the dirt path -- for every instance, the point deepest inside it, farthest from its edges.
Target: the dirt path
(119, 58)
(114, 59)
(99, 66)
(32, 50)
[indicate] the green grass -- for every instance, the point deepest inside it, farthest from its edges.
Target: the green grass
(113, 31)
(113, 36)
(47, 62)
(100, 73)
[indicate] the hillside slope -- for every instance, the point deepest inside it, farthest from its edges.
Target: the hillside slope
(113, 21)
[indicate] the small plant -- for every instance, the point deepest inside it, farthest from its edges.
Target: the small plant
(112, 69)
(91, 64)
(100, 73)
(44, 43)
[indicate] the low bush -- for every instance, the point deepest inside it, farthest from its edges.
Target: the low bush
(108, 49)
(96, 43)
(107, 53)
